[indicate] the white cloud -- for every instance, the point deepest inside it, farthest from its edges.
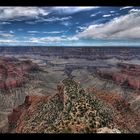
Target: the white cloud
(81, 27)
(93, 15)
(11, 32)
(45, 32)
(112, 11)
(63, 40)
(9, 13)
(45, 39)
(126, 7)
(66, 23)
(33, 32)
(77, 31)
(106, 15)
(54, 39)
(134, 10)
(13, 42)
(30, 22)
(53, 32)
(5, 22)
(74, 38)
(53, 19)
(7, 41)
(6, 35)
(23, 13)
(72, 10)
(123, 27)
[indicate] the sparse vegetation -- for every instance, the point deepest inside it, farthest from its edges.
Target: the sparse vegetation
(82, 114)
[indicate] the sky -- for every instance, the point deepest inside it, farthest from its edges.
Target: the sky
(70, 26)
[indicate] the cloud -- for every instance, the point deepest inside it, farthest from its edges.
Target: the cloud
(33, 32)
(45, 32)
(81, 27)
(24, 13)
(30, 22)
(93, 15)
(11, 32)
(53, 32)
(134, 10)
(112, 11)
(9, 13)
(72, 10)
(73, 38)
(63, 40)
(6, 41)
(107, 15)
(126, 7)
(50, 39)
(6, 35)
(69, 42)
(4, 22)
(14, 42)
(123, 27)
(66, 23)
(53, 19)
(45, 39)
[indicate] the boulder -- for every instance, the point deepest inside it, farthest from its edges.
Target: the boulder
(108, 130)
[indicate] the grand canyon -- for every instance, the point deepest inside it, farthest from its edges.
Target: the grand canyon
(69, 89)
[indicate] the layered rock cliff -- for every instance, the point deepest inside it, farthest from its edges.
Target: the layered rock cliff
(14, 73)
(127, 75)
(15, 76)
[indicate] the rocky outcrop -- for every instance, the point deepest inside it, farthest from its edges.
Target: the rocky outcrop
(18, 113)
(71, 110)
(108, 130)
(126, 116)
(14, 73)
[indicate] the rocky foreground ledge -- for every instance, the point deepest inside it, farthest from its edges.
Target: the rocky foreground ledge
(71, 110)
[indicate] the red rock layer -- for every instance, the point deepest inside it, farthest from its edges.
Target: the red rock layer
(14, 73)
(125, 117)
(19, 112)
(128, 75)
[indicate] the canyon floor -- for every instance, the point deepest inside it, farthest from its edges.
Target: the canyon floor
(49, 94)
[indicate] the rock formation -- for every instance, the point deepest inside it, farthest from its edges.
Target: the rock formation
(103, 108)
(128, 75)
(125, 116)
(71, 110)
(107, 130)
(14, 73)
